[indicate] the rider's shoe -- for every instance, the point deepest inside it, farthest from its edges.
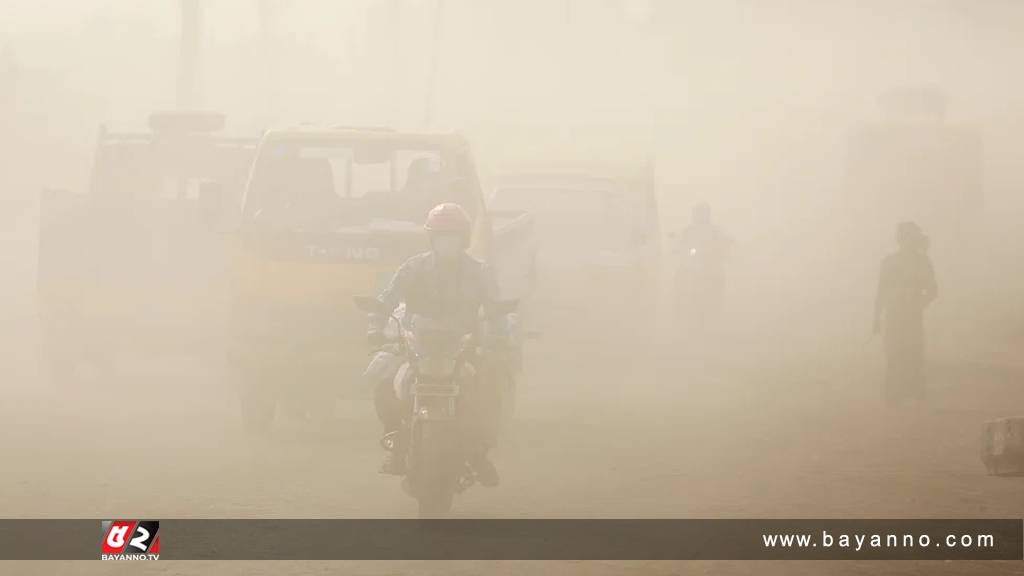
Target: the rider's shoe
(393, 464)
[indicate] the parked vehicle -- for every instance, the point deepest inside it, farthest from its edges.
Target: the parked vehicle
(136, 264)
(598, 242)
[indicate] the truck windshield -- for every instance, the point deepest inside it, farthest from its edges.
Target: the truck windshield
(325, 186)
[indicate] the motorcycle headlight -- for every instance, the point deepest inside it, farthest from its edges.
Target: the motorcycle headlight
(429, 407)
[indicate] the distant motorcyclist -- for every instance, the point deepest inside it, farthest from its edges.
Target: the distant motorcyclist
(906, 286)
(701, 250)
(448, 282)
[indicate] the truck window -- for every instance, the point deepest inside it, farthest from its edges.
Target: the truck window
(325, 186)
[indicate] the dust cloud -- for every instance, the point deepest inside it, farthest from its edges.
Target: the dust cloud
(750, 386)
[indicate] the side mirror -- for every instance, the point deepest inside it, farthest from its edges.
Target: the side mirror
(370, 305)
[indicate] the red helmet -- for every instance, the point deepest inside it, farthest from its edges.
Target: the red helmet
(448, 218)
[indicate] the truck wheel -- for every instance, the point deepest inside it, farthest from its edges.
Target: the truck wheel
(312, 406)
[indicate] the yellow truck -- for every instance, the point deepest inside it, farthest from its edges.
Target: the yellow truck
(329, 214)
(136, 263)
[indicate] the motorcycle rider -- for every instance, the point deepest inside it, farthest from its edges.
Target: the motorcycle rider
(421, 190)
(702, 248)
(445, 281)
(906, 286)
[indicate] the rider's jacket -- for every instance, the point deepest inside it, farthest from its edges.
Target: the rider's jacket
(428, 287)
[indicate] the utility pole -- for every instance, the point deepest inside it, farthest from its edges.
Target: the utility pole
(268, 19)
(188, 55)
(428, 111)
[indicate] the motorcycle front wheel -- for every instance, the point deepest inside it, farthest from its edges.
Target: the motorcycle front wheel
(434, 476)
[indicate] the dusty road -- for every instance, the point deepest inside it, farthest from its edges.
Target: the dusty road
(600, 433)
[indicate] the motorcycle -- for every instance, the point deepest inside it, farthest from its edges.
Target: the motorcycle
(440, 382)
(699, 286)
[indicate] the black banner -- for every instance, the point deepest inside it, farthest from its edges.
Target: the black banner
(536, 539)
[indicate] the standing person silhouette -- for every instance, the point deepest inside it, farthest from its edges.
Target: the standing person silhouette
(906, 286)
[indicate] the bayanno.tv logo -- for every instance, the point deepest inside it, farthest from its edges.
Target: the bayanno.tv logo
(130, 540)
